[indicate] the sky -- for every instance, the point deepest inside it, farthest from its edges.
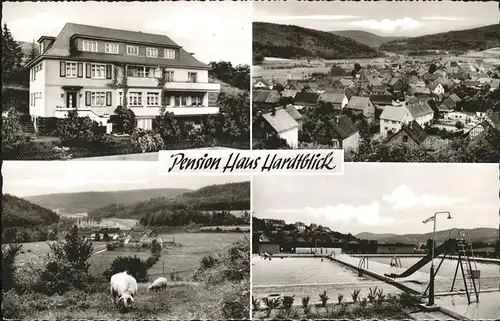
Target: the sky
(212, 30)
(35, 178)
(384, 197)
(402, 19)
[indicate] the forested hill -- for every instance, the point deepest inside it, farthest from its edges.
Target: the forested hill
(18, 212)
(231, 196)
(364, 37)
(287, 41)
(461, 40)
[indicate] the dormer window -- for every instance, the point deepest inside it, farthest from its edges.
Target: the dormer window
(111, 48)
(90, 46)
(152, 52)
(169, 53)
(133, 50)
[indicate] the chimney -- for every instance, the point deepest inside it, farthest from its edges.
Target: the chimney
(273, 113)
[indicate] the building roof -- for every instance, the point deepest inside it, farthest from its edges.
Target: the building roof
(394, 113)
(281, 121)
(419, 108)
(415, 131)
(381, 99)
(455, 98)
(333, 98)
(306, 97)
(358, 103)
(61, 47)
(265, 96)
(343, 126)
(292, 111)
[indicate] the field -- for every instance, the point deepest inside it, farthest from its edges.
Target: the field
(203, 298)
(183, 259)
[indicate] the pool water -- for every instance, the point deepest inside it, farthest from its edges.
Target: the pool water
(309, 277)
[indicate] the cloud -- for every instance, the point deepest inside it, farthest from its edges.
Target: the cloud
(309, 17)
(40, 24)
(388, 25)
(403, 198)
(444, 18)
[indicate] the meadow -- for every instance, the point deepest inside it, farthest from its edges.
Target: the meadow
(211, 294)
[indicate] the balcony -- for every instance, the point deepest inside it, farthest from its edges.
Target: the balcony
(192, 86)
(177, 111)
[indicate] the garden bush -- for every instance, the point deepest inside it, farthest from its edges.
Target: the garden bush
(147, 141)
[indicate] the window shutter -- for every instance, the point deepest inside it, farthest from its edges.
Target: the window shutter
(62, 69)
(80, 70)
(109, 71)
(108, 98)
(87, 71)
(87, 98)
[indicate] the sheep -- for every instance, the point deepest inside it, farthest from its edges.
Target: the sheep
(123, 287)
(158, 285)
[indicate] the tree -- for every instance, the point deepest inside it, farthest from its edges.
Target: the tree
(233, 122)
(33, 51)
(9, 255)
(432, 68)
(337, 71)
(258, 58)
(79, 131)
(123, 120)
(155, 247)
(13, 135)
(68, 264)
(428, 245)
(241, 77)
(357, 67)
(273, 141)
(147, 141)
(279, 87)
(222, 70)
(459, 125)
(168, 128)
(12, 56)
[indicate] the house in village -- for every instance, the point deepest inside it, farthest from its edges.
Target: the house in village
(436, 88)
(393, 118)
(260, 84)
(396, 85)
(279, 122)
(265, 99)
(411, 135)
(362, 106)
(306, 100)
(292, 111)
(380, 102)
(340, 133)
(337, 100)
(343, 83)
(419, 91)
(421, 112)
(460, 116)
(449, 104)
(74, 69)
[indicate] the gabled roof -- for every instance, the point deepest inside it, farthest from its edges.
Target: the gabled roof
(351, 91)
(333, 98)
(419, 109)
(415, 131)
(292, 111)
(342, 127)
(455, 98)
(266, 96)
(358, 103)
(281, 121)
(394, 113)
(306, 97)
(61, 47)
(381, 99)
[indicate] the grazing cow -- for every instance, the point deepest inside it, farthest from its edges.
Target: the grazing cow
(123, 287)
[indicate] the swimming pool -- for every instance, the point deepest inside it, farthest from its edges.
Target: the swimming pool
(309, 276)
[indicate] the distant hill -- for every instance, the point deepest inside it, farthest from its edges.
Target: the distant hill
(462, 40)
(287, 41)
(225, 87)
(477, 234)
(230, 197)
(364, 37)
(18, 212)
(83, 202)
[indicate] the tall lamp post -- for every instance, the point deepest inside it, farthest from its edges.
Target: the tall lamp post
(431, 281)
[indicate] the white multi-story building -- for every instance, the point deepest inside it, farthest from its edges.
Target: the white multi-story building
(74, 70)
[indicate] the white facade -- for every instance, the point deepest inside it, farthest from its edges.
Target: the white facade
(291, 136)
(439, 90)
(387, 125)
